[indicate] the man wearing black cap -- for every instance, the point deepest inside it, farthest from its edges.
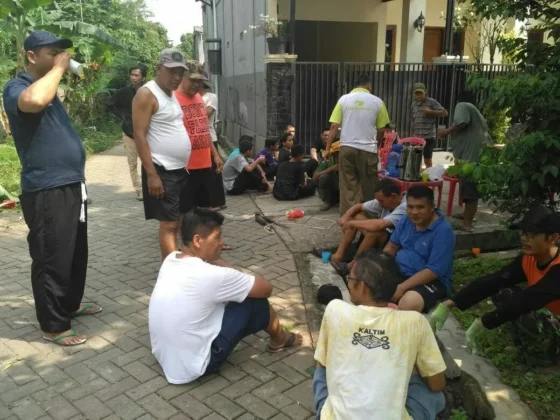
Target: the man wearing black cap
(533, 310)
(53, 196)
(163, 145)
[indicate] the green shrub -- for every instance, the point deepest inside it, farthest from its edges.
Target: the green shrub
(97, 138)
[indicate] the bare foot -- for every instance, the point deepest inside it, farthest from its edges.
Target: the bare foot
(288, 341)
(66, 338)
(336, 258)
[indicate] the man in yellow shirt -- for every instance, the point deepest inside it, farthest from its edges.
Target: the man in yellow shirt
(362, 117)
(367, 352)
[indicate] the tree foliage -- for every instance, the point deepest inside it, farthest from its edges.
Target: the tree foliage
(526, 171)
(109, 36)
(187, 46)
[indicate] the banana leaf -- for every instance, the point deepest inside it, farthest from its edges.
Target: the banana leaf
(69, 28)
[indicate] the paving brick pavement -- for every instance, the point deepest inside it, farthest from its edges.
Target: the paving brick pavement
(114, 375)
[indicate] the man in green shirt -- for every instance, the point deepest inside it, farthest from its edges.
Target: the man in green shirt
(469, 135)
(326, 176)
(362, 118)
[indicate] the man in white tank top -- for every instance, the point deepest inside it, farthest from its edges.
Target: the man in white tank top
(163, 146)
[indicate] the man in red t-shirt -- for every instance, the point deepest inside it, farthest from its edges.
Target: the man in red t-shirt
(196, 190)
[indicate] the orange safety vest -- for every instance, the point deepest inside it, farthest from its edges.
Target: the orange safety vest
(534, 275)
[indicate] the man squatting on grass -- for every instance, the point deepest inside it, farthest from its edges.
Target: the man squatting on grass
(534, 310)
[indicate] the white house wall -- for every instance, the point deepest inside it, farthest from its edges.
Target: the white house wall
(242, 87)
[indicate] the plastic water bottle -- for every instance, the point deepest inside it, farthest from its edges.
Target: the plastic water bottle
(393, 161)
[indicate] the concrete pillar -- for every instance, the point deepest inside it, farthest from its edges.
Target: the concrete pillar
(279, 93)
(381, 33)
(412, 41)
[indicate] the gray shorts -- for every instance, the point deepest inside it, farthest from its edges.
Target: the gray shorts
(468, 190)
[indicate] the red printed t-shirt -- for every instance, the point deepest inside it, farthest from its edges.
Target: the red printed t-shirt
(196, 123)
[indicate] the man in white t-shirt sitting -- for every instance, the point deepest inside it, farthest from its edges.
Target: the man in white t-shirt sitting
(201, 307)
(388, 204)
(367, 352)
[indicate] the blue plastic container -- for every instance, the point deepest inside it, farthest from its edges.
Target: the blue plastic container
(393, 160)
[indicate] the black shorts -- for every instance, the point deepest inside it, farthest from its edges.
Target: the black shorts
(197, 190)
(468, 190)
(429, 148)
(164, 209)
(432, 293)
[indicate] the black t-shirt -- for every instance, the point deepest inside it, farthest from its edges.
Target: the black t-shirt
(289, 177)
(284, 155)
(521, 301)
(121, 104)
(319, 146)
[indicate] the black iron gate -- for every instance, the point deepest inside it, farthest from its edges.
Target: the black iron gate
(318, 85)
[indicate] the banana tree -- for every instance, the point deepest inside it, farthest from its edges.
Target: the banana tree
(16, 19)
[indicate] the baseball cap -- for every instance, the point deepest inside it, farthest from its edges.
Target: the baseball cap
(171, 58)
(43, 38)
(539, 220)
(419, 87)
(195, 72)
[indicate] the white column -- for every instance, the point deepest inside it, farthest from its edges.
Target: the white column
(412, 41)
(381, 33)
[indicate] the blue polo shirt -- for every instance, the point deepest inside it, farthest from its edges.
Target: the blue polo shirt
(49, 149)
(430, 248)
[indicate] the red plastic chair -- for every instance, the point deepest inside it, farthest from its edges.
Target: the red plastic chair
(453, 180)
(388, 140)
(414, 140)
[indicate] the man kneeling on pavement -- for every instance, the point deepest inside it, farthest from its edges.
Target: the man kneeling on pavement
(375, 362)
(534, 310)
(201, 307)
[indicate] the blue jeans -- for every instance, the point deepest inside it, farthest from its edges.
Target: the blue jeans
(421, 402)
(240, 320)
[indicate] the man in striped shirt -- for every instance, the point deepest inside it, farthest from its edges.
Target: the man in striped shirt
(425, 112)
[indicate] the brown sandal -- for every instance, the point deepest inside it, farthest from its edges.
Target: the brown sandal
(289, 344)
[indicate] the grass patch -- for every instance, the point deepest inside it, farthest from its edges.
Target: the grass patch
(9, 167)
(96, 139)
(538, 391)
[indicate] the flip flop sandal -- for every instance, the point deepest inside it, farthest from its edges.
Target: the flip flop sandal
(290, 343)
(462, 229)
(341, 269)
(317, 252)
(84, 310)
(59, 338)
(459, 216)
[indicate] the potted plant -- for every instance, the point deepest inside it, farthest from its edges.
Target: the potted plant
(272, 28)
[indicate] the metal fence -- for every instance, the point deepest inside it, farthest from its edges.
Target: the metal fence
(317, 87)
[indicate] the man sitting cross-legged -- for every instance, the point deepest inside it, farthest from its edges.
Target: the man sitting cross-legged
(422, 244)
(239, 175)
(201, 307)
(391, 208)
(291, 183)
(374, 362)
